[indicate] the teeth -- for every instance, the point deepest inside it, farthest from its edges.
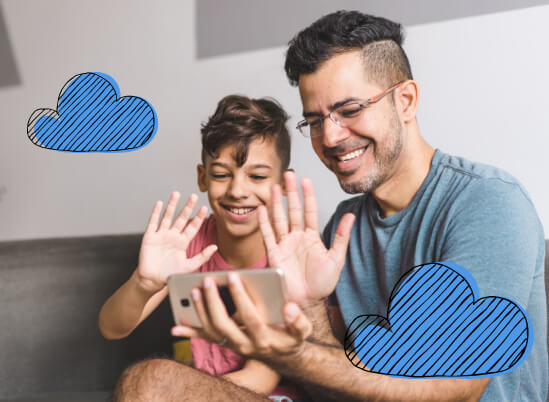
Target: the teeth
(240, 211)
(351, 155)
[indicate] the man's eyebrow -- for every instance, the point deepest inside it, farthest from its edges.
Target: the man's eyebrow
(333, 106)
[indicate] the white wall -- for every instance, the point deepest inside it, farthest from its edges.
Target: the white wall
(482, 83)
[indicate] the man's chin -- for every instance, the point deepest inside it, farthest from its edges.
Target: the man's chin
(350, 186)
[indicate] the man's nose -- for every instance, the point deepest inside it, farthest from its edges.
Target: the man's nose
(333, 133)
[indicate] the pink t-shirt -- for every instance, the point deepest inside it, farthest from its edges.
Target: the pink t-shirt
(210, 357)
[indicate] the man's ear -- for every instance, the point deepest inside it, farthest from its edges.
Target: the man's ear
(283, 182)
(408, 100)
(201, 178)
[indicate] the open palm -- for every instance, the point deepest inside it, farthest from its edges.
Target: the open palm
(311, 270)
(164, 246)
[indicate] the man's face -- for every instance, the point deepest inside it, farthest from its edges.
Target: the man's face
(364, 155)
(235, 192)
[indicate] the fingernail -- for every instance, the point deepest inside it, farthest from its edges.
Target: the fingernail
(177, 331)
(195, 294)
(231, 277)
(208, 283)
(291, 313)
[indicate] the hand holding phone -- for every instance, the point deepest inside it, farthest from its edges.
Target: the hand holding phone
(265, 287)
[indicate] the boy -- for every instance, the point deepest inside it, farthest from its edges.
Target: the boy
(245, 150)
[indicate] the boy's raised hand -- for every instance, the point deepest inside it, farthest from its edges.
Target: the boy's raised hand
(164, 245)
(311, 270)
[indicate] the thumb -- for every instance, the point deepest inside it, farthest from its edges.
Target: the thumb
(341, 239)
(296, 322)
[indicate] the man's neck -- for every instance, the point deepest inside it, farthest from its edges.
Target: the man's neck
(412, 168)
(240, 252)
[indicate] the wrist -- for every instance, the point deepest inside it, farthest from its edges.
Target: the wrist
(143, 285)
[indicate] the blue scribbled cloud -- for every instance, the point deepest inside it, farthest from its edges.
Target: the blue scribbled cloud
(92, 117)
(437, 327)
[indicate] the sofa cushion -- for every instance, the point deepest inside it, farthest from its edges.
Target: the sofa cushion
(51, 292)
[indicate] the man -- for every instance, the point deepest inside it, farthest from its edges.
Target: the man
(417, 205)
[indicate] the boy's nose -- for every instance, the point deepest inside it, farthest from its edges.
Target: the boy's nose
(238, 188)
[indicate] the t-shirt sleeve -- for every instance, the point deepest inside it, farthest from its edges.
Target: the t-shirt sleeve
(495, 234)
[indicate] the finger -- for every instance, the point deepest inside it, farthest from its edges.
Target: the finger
(249, 315)
(218, 317)
(207, 328)
(166, 221)
(188, 332)
(311, 209)
(152, 225)
(296, 321)
(279, 216)
(294, 203)
(185, 213)
(268, 236)
(341, 240)
(194, 226)
(202, 257)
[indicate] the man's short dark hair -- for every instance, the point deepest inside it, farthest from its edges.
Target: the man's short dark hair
(380, 40)
(238, 120)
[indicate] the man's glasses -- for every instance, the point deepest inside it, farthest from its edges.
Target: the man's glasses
(344, 116)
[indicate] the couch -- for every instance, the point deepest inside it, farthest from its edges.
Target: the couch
(50, 295)
(51, 292)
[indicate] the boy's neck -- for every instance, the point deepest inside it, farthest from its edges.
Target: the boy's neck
(241, 252)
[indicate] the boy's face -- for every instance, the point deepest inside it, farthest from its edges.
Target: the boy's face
(235, 192)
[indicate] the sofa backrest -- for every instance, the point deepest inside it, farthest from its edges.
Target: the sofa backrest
(51, 292)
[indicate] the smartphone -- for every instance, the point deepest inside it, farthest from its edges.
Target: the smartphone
(266, 288)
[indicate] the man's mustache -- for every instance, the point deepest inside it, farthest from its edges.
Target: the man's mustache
(346, 147)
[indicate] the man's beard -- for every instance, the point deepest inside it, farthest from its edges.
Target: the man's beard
(384, 160)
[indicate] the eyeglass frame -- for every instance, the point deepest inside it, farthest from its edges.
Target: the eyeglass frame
(361, 106)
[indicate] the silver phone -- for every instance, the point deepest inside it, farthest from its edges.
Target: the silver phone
(266, 288)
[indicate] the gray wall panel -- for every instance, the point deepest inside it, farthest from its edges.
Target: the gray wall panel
(234, 26)
(8, 71)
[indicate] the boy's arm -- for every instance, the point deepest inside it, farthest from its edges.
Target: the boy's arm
(163, 252)
(255, 376)
(127, 308)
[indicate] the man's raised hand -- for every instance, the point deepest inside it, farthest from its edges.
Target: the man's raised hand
(311, 270)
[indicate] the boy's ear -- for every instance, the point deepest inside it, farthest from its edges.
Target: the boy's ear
(201, 178)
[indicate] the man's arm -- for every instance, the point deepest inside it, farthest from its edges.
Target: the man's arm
(324, 370)
(327, 373)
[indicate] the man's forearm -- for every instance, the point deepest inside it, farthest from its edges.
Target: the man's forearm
(326, 371)
(322, 331)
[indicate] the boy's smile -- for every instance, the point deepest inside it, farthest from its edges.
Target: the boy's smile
(235, 192)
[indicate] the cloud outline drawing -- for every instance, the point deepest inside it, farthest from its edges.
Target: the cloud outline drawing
(92, 117)
(438, 327)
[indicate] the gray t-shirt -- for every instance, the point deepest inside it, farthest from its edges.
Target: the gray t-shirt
(467, 213)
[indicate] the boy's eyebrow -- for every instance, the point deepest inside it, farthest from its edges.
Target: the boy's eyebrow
(260, 166)
(256, 166)
(332, 107)
(224, 165)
